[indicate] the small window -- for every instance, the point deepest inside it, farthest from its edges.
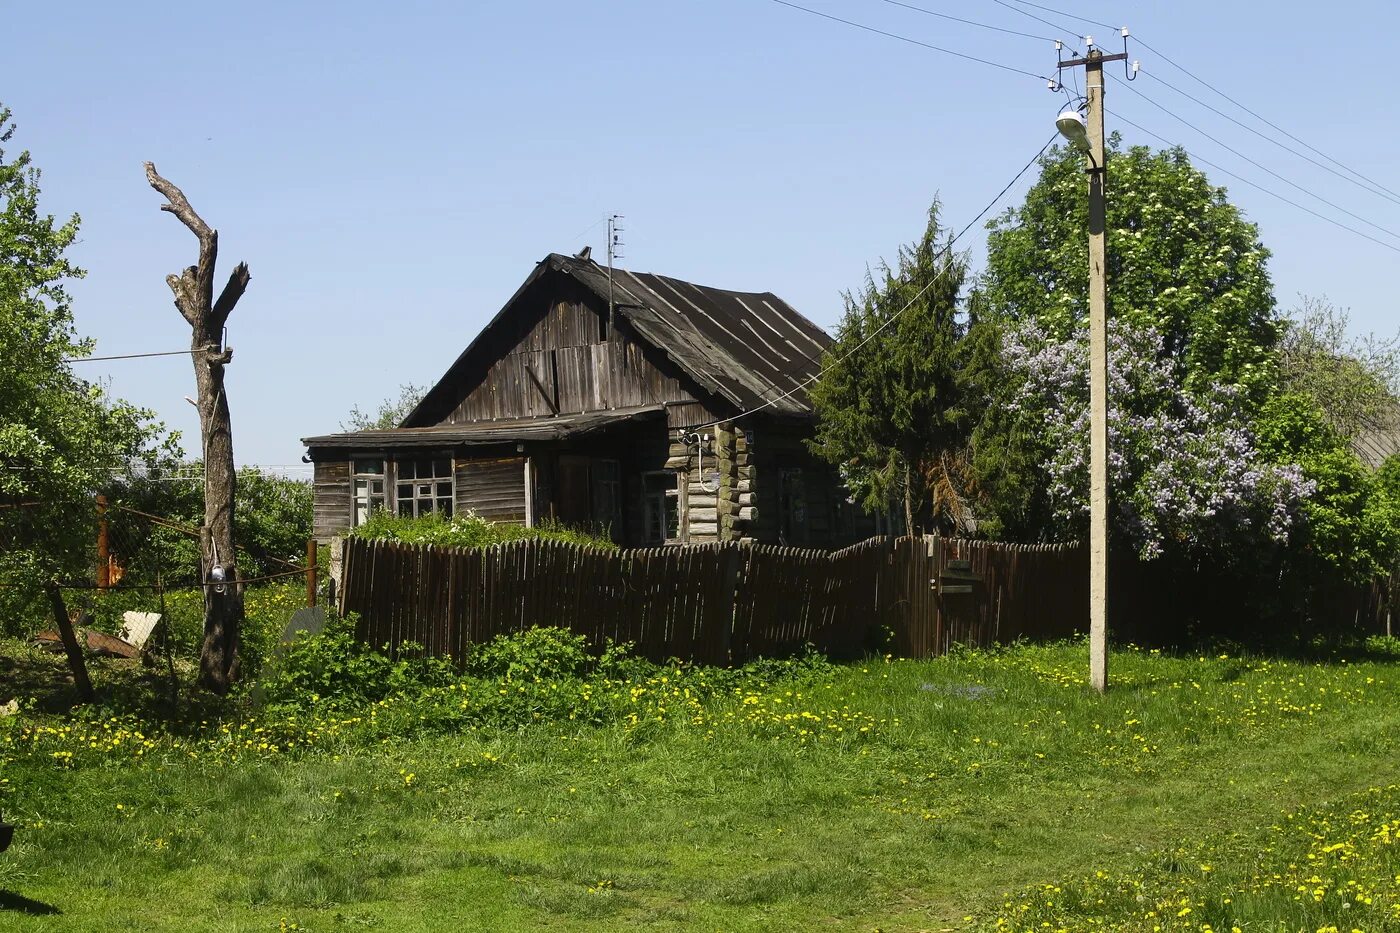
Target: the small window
(792, 506)
(607, 493)
(367, 485)
(424, 487)
(661, 507)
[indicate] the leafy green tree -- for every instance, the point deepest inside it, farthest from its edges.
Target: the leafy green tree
(1352, 518)
(1182, 262)
(1354, 381)
(1181, 258)
(272, 521)
(61, 437)
(391, 411)
(888, 401)
(272, 518)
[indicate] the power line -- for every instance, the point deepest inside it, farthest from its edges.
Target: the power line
(925, 45)
(969, 22)
(1256, 185)
(1363, 185)
(1092, 22)
(132, 356)
(946, 250)
(1265, 121)
(1215, 90)
(1212, 88)
(1038, 19)
(1262, 168)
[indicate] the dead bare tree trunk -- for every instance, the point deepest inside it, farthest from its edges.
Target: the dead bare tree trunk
(194, 297)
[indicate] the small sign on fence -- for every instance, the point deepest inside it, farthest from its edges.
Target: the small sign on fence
(962, 577)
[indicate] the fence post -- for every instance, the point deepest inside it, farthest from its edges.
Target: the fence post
(70, 643)
(104, 554)
(311, 572)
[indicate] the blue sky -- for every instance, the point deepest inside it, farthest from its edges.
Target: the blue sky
(391, 172)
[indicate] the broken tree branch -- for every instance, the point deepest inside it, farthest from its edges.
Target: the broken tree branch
(202, 274)
(178, 204)
(237, 282)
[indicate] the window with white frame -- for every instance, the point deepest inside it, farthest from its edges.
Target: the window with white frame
(422, 487)
(367, 485)
(661, 507)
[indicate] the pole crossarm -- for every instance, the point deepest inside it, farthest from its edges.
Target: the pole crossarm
(1116, 57)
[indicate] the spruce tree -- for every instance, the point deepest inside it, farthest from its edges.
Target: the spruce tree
(888, 401)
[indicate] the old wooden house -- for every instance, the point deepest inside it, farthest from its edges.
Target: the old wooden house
(659, 410)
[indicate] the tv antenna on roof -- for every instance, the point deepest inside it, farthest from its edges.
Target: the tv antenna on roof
(614, 252)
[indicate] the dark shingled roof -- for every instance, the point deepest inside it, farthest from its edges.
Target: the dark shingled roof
(749, 348)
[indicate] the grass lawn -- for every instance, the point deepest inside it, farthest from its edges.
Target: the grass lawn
(980, 791)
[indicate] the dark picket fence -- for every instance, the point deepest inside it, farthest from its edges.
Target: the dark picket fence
(716, 604)
(729, 603)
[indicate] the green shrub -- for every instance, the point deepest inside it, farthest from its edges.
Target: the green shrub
(469, 530)
(333, 666)
(547, 653)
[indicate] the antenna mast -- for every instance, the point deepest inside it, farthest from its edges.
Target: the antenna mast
(614, 252)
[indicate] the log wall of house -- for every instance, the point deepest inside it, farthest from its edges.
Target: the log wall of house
(566, 359)
(719, 502)
(492, 488)
(330, 496)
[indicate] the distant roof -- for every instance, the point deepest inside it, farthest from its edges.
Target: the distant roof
(750, 348)
(1383, 440)
(478, 433)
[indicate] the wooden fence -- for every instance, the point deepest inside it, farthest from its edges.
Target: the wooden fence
(728, 603)
(716, 604)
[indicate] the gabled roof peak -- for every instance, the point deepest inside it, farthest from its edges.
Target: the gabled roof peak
(750, 349)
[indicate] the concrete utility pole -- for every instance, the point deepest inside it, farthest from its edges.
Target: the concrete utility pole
(1091, 140)
(1098, 381)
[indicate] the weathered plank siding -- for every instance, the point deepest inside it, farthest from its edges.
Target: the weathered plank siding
(330, 492)
(493, 489)
(565, 359)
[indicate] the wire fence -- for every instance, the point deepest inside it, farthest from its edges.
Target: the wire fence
(103, 544)
(111, 558)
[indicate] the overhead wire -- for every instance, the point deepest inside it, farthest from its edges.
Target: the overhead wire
(1047, 9)
(1044, 22)
(911, 41)
(1263, 168)
(1007, 4)
(1215, 90)
(945, 251)
(969, 22)
(1264, 120)
(1258, 187)
(1366, 186)
(131, 356)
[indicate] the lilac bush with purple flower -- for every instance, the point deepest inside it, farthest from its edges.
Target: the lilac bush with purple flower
(1184, 469)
